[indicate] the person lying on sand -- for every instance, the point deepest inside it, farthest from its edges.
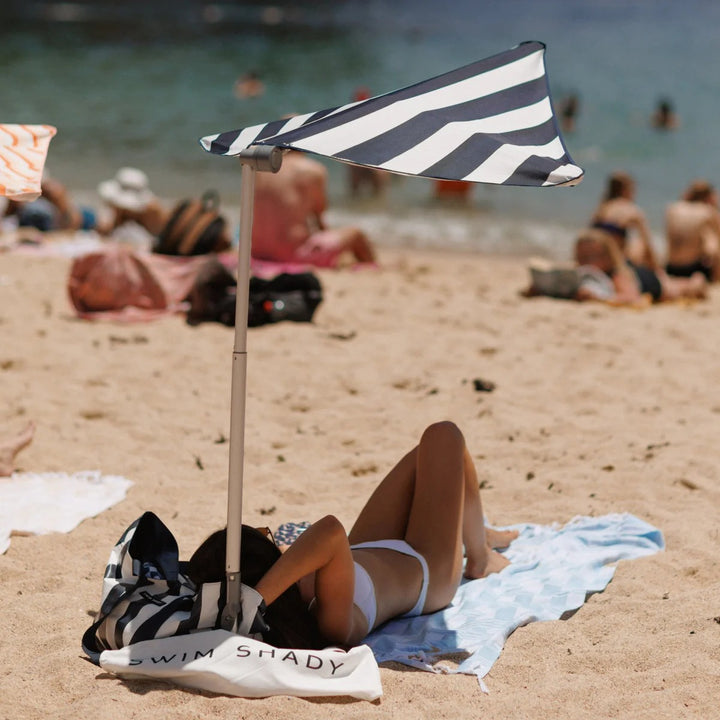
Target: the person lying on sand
(11, 446)
(54, 210)
(632, 284)
(603, 274)
(402, 557)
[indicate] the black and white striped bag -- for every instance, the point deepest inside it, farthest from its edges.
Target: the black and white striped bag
(145, 593)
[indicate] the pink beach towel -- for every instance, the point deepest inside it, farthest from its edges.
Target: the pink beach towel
(120, 284)
(23, 149)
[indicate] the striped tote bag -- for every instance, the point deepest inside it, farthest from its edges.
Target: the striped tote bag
(145, 594)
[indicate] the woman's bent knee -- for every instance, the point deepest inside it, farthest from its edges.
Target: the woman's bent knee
(444, 431)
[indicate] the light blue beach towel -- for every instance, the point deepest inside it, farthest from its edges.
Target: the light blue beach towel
(553, 570)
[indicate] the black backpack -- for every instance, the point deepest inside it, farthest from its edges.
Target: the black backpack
(195, 227)
(289, 296)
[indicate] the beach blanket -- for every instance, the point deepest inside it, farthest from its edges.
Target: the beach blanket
(40, 503)
(62, 244)
(121, 284)
(553, 570)
(23, 149)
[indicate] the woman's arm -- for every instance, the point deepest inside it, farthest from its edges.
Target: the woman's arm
(323, 549)
(107, 226)
(627, 291)
(647, 253)
(710, 237)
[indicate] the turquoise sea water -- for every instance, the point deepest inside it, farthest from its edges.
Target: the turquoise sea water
(139, 83)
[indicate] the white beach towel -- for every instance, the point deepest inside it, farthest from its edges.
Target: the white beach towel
(553, 570)
(222, 662)
(40, 503)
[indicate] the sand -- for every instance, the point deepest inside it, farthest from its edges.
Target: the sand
(595, 410)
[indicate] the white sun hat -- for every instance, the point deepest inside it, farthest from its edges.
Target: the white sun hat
(128, 190)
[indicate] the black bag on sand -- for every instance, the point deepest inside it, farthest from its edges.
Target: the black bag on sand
(293, 297)
(195, 227)
(289, 296)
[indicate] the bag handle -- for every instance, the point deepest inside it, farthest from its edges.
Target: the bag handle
(210, 200)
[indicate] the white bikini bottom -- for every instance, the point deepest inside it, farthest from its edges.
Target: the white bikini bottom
(364, 596)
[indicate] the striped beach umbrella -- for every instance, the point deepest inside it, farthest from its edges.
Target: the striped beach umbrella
(489, 122)
(23, 149)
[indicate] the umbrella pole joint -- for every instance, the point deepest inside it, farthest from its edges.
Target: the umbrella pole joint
(265, 158)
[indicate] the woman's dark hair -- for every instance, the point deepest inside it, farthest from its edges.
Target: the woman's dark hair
(617, 183)
(291, 624)
(699, 191)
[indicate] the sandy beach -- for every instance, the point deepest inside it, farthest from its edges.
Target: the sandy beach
(596, 410)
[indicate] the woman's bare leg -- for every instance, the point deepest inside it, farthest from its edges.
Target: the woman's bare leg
(431, 499)
(11, 447)
(436, 523)
(385, 514)
(494, 539)
(674, 288)
(447, 513)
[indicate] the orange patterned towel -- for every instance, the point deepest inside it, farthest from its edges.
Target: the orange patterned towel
(23, 149)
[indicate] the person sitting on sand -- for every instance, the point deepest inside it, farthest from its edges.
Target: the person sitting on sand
(631, 283)
(11, 446)
(54, 210)
(402, 557)
(288, 219)
(618, 214)
(130, 199)
(692, 230)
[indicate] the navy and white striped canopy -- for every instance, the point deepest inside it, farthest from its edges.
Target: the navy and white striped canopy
(491, 122)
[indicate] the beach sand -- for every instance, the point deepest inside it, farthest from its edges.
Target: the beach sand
(596, 410)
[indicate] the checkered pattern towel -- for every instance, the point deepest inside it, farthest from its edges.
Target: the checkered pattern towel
(553, 570)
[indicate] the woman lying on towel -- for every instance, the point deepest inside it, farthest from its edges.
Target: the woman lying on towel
(403, 556)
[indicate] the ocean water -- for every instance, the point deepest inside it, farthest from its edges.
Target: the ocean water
(138, 83)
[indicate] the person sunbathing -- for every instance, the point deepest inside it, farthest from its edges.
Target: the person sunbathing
(402, 557)
(11, 446)
(619, 215)
(289, 218)
(632, 284)
(54, 210)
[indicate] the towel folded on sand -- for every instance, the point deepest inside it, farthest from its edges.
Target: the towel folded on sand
(553, 570)
(40, 503)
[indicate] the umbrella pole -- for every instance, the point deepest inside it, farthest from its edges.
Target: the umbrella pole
(255, 158)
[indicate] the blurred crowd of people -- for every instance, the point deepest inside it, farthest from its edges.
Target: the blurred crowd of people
(618, 244)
